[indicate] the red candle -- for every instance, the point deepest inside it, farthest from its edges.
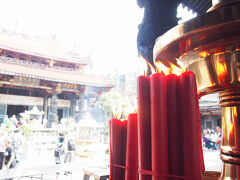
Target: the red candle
(131, 172)
(116, 138)
(190, 136)
(123, 147)
(159, 133)
(110, 152)
(144, 125)
(174, 132)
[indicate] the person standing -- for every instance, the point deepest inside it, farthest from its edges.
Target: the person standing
(14, 121)
(206, 139)
(17, 144)
(9, 155)
(59, 151)
(219, 137)
(5, 120)
(213, 139)
(2, 149)
(70, 148)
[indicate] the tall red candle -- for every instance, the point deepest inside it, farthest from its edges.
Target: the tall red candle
(174, 128)
(123, 147)
(110, 152)
(159, 133)
(189, 117)
(144, 125)
(131, 172)
(116, 138)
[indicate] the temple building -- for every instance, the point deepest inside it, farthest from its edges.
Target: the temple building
(210, 111)
(36, 72)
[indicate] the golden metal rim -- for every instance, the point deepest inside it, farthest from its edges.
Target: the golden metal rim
(179, 37)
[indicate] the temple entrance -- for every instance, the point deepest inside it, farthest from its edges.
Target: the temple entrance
(15, 110)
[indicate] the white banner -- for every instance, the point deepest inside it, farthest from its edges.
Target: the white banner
(20, 100)
(29, 101)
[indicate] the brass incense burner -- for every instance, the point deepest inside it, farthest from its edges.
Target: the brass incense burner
(209, 45)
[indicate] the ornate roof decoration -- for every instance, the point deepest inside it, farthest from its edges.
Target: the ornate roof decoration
(48, 48)
(54, 75)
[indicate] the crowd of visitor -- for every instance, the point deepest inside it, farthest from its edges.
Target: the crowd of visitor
(13, 121)
(212, 139)
(17, 121)
(11, 149)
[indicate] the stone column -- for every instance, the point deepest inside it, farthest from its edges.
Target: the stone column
(81, 104)
(73, 107)
(53, 117)
(45, 105)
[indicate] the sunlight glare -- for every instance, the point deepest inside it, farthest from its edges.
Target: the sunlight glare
(97, 27)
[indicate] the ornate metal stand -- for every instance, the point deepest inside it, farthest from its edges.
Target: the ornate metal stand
(209, 45)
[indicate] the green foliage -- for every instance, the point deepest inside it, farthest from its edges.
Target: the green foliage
(107, 151)
(9, 125)
(108, 101)
(26, 130)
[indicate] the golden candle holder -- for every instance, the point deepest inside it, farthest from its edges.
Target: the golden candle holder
(209, 45)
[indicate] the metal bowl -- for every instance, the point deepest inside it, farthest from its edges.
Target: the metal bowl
(208, 45)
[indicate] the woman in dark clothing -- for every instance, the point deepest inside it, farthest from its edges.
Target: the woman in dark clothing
(9, 155)
(9, 160)
(2, 148)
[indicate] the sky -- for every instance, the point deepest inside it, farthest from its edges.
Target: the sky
(185, 14)
(105, 28)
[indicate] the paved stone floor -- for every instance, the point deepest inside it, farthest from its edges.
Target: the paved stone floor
(44, 157)
(212, 161)
(36, 159)
(75, 175)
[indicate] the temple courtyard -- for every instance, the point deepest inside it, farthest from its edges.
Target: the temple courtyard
(42, 157)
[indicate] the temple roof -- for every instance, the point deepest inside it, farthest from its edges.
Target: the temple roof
(54, 75)
(35, 46)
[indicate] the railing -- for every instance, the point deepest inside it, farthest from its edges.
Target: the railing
(32, 64)
(99, 172)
